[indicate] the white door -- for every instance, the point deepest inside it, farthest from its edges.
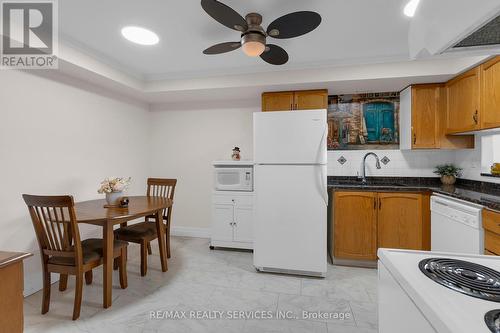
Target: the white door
(291, 217)
(243, 229)
(290, 137)
(223, 217)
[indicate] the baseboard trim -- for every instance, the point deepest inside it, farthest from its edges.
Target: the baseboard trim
(190, 232)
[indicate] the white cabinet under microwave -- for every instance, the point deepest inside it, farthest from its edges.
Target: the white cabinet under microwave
(232, 220)
(236, 176)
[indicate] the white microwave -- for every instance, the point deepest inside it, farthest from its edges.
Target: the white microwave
(231, 178)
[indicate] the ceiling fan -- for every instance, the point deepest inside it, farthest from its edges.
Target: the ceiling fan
(253, 36)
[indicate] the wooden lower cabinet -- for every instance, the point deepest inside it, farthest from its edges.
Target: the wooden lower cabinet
(365, 221)
(403, 221)
(355, 228)
(488, 253)
(491, 225)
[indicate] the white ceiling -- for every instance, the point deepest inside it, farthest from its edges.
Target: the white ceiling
(361, 46)
(352, 31)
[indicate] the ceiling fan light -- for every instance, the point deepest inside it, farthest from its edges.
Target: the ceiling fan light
(253, 49)
(253, 44)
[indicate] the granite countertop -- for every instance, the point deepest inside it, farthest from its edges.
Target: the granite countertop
(483, 193)
(9, 258)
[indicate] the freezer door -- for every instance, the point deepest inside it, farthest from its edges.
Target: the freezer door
(291, 218)
(290, 137)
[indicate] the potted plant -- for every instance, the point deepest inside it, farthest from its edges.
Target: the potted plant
(448, 173)
(113, 188)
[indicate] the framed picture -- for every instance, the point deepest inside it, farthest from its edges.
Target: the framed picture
(363, 121)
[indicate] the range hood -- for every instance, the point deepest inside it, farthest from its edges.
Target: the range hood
(487, 36)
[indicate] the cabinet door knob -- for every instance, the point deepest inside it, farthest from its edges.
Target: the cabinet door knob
(475, 117)
(414, 138)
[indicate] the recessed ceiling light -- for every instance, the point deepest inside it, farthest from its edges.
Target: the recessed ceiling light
(140, 35)
(411, 7)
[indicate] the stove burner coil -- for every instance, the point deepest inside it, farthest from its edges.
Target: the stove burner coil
(464, 277)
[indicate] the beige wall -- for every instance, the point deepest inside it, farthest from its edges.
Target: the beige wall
(61, 137)
(184, 144)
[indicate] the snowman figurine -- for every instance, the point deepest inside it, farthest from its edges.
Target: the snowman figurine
(236, 154)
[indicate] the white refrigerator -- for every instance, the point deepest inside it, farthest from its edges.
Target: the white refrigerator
(291, 195)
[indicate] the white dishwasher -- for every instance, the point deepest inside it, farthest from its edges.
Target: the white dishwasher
(456, 226)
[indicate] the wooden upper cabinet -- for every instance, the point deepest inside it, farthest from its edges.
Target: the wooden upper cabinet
(278, 101)
(295, 100)
(490, 93)
(311, 100)
(463, 101)
(355, 225)
(425, 116)
(404, 221)
(423, 120)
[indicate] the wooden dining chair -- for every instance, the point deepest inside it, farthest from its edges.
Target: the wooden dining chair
(61, 249)
(144, 232)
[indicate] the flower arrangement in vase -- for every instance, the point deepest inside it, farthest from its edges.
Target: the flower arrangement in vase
(113, 188)
(448, 173)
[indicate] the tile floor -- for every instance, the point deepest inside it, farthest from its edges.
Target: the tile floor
(199, 279)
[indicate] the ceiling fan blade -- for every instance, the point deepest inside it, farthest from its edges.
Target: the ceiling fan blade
(294, 25)
(224, 15)
(274, 55)
(222, 48)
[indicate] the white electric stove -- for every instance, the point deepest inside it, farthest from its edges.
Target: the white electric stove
(429, 292)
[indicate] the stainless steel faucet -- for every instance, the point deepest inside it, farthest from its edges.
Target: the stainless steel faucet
(362, 176)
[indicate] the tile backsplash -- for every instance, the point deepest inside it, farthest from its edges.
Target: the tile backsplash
(401, 163)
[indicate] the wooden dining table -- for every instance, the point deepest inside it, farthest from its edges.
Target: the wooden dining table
(94, 212)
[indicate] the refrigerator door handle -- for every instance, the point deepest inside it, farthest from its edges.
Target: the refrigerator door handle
(321, 151)
(323, 182)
